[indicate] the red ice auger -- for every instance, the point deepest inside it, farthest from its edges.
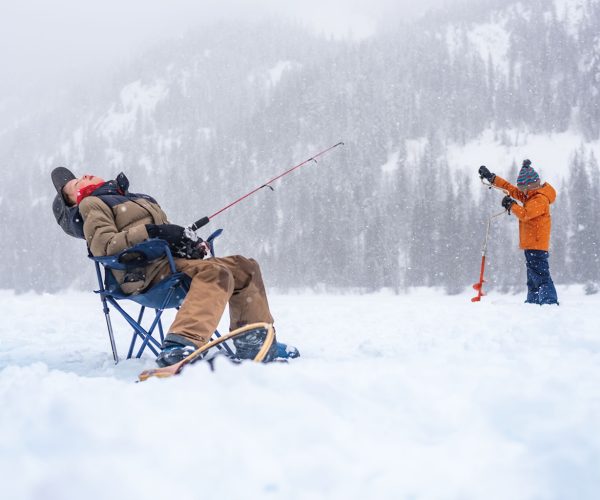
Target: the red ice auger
(479, 285)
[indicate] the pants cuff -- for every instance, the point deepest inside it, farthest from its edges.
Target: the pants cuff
(180, 339)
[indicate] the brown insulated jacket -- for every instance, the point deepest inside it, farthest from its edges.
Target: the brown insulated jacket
(114, 222)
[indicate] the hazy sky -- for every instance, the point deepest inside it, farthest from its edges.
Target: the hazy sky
(51, 33)
(54, 41)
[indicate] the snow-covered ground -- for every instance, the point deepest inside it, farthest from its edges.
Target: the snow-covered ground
(419, 396)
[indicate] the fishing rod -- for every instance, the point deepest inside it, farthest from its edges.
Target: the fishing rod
(206, 219)
(489, 185)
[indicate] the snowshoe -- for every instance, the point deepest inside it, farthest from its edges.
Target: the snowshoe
(260, 341)
(248, 344)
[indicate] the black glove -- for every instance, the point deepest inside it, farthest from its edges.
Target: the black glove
(193, 249)
(508, 202)
(172, 233)
(484, 173)
(179, 242)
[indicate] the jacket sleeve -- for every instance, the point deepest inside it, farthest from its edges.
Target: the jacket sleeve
(100, 230)
(514, 191)
(536, 207)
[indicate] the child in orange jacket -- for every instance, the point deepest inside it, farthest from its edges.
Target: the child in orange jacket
(534, 227)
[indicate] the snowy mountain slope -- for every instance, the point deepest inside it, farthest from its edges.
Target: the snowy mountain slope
(413, 396)
(492, 36)
(572, 11)
(552, 153)
(204, 119)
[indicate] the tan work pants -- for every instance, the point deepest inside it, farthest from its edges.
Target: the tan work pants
(215, 282)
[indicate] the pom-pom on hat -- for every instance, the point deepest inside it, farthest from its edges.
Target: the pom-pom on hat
(527, 175)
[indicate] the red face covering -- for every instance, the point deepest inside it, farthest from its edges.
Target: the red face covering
(87, 190)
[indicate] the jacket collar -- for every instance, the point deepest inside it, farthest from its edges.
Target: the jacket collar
(546, 190)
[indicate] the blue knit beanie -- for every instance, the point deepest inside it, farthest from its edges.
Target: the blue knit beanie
(527, 175)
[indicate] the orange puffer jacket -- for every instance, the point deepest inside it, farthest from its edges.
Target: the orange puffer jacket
(534, 216)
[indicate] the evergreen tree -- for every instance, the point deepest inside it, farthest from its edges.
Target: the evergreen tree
(581, 246)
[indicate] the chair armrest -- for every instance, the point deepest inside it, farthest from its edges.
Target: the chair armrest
(137, 256)
(210, 241)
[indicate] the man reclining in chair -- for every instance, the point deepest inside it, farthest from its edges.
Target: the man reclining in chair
(114, 220)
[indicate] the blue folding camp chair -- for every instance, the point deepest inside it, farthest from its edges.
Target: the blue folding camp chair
(166, 294)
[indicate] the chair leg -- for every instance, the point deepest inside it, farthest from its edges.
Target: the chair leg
(135, 333)
(156, 322)
(161, 332)
(111, 335)
(145, 335)
(224, 346)
(149, 338)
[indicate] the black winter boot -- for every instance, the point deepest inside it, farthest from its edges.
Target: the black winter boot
(248, 345)
(174, 349)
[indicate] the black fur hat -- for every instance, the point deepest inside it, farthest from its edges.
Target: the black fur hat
(60, 176)
(68, 218)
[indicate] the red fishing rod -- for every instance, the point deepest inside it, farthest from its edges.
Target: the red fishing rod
(205, 220)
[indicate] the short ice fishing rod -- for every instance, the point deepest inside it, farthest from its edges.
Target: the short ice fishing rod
(205, 220)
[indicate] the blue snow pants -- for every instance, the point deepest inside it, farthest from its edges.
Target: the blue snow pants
(540, 287)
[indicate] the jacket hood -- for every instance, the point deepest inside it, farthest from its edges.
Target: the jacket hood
(546, 190)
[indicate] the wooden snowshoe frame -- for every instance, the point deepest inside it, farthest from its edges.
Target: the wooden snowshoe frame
(169, 371)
